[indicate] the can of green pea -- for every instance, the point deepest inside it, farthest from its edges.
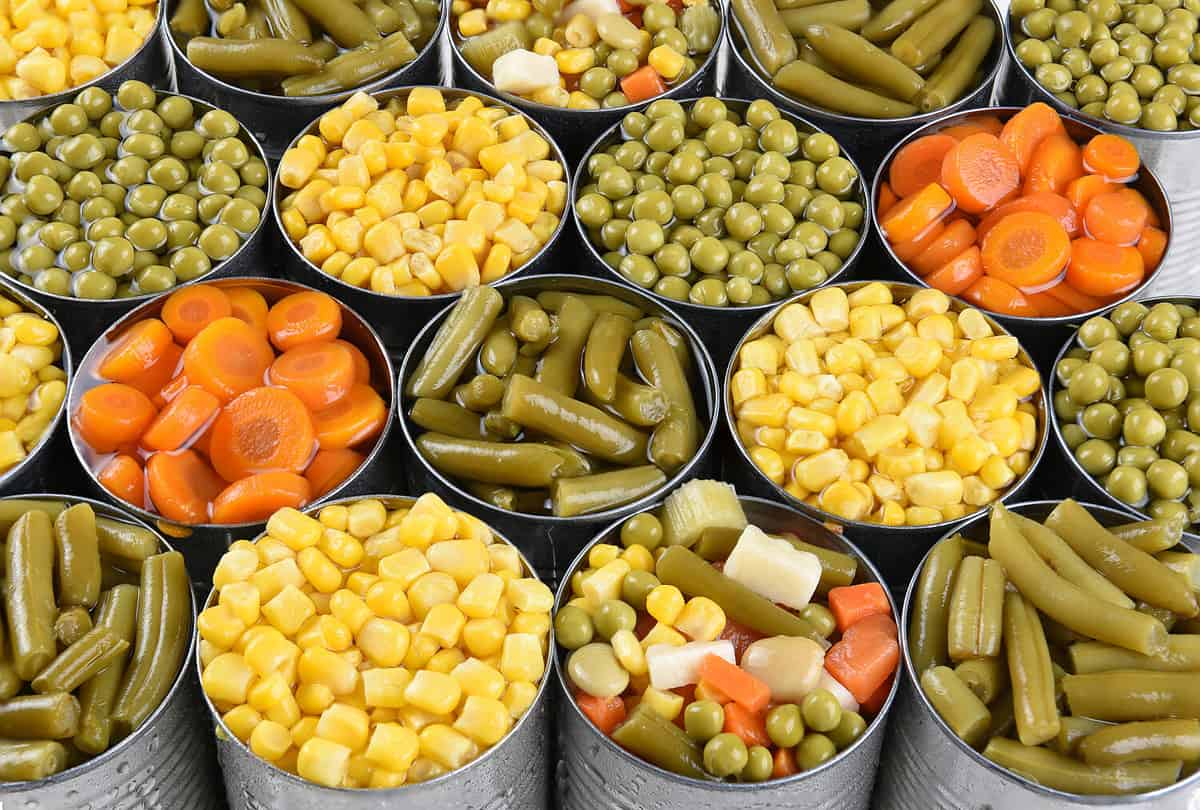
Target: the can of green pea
(925, 764)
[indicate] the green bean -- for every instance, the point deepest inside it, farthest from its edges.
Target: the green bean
(638, 404)
(190, 18)
(671, 335)
(681, 567)
(346, 23)
(1150, 536)
(257, 26)
(324, 49)
(553, 300)
(1134, 694)
(677, 438)
(986, 677)
(837, 569)
(575, 463)
(480, 394)
(481, 51)
(1063, 601)
(498, 353)
(815, 85)
(529, 322)
(934, 30)
(139, 698)
(10, 683)
(894, 18)
(954, 74)
(118, 613)
(527, 464)
(1072, 730)
(976, 609)
(410, 20)
(603, 353)
(439, 416)
(1182, 654)
(78, 556)
(849, 14)
(40, 717)
(111, 576)
(30, 761)
(957, 705)
(1184, 563)
(354, 68)
(1166, 617)
(595, 493)
(81, 661)
(1030, 670)
(148, 630)
(538, 407)
(456, 342)
(931, 603)
(385, 18)
(29, 595)
(1147, 740)
(559, 369)
(1063, 773)
(125, 540)
(71, 625)
(717, 542)
(765, 33)
(809, 54)
(650, 736)
(287, 20)
(248, 58)
(512, 500)
(857, 57)
(1133, 571)
(1069, 565)
(11, 510)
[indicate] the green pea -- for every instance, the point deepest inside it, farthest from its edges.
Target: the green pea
(76, 256)
(819, 147)
(572, 627)
(759, 765)
(1097, 457)
(154, 278)
(821, 710)
(636, 586)
(189, 263)
(93, 284)
(644, 236)
(218, 124)
(723, 138)
(53, 280)
(1073, 435)
(725, 755)
(43, 195)
(94, 102)
(826, 211)
(1033, 53)
(814, 750)
(785, 725)
(703, 720)
(709, 292)
(760, 113)
(613, 615)
(593, 210)
(849, 729)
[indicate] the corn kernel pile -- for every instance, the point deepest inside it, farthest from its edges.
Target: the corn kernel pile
(900, 413)
(419, 197)
(32, 385)
(369, 647)
(46, 47)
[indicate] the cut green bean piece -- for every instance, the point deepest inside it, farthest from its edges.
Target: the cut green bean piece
(976, 610)
(1069, 565)
(355, 68)
(766, 33)
(933, 31)
(927, 632)
(894, 18)
(677, 438)
(1058, 772)
(250, 58)
(37, 759)
(287, 20)
(125, 540)
(595, 493)
(1146, 740)
(81, 661)
(957, 705)
(606, 345)
(849, 14)
(118, 613)
(857, 57)
(78, 556)
(1030, 670)
(649, 735)
(1182, 654)
(29, 595)
(528, 464)
(1150, 536)
(1071, 732)
(553, 300)
(71, 625)
(457, 340)
(439, 416)
(348, 24)
(638, 404)
(40, 717)
(814, 85)
(1134, 694)
(955, 73)
(986, 677)
(559, 368)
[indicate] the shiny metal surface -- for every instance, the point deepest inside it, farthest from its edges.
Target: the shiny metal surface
(721, 327)
(512, 775)
(399, 318)
(550, 542)
(204, 544)
(167, 764)
(594, 772)
(896, 550)
(925, 765)
(276, 119)
(868, 139)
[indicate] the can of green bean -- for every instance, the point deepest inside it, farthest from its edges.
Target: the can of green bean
(595, 771)
(927, 765)
(167, 762)
(525, 509)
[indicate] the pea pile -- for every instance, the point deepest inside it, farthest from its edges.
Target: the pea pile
(113, 196)
(585, 55)
(677, 649)
(33, 384)
(1127, 406)
(1064, 651)
(1131, 63)
(565, 404)
(375, 644)
(898, 411)
(721, 207)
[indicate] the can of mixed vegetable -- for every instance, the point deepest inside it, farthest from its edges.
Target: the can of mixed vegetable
(926, 764)
(513, 774)
(1033, 330)
(802, 221)
(831, 768)
(834, 39)
(953, 444)
(204, 542)
(522, 249)
(553, 498)
(279, 83)
(168, 759)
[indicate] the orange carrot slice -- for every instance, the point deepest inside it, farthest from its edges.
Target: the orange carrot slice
(319, 373)
(1116, 217)
(1100, 269)
(1074, 299)
(956, 275)
(182, 418)
(154, 378)
(872, 705)
(982, 123)
(953, 240)
(605, 713)
(248, 305)
(136, 351)
(853, 603)
(919, 163)
(257, 497)
(740, 685)
(980, 172)
(227, 358)
(865, 657)
(1152, 246)
(1027, 129)
(182, 486)
(643, 84)
(998, 296)
(263, 430)
(887, 198)
(784, 764)
(173, 388)
(907, 251)
(362, 367)
(303, 318)
(1082, 189)
(1111, 156)
(911, 216)
(329, 468)
(1044, 202)
(1026, 249)
(355, 418)
(113, 415)
(122, 476)
(189, 309)
(1057, 162)
(1048, 306)
(749, 725)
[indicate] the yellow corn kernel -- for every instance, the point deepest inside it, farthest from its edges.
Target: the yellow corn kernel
(288, 610)
(885, 430)
(973, 324)
(321, 666)
(573, 61)
(241, 721)
(639, 558)
(1003, 434)
(530, 595)
(968, 454)
(314, 698)
(629, 652)
(898, 463)
(885, 397)
(324, 762)
(385, 687)
(472, 22)
(663, 634)
(479, 599)
(443, 744)
(484, 719)
(444, 622)
(227, 679)
(769, 462)
(431, 589)
(919, 355)
(977, 493)
(479, 678)
(360, 582)
(665, 603)
(667, 62)
(996, 473)
(267, 651)
(297, 166)
(1027, 422)
(666, 704)
(844, 499)
(817, 471)
(219, 625)
(444, 661)
(393, 747)
(349, 608)
(383, 642)
(484, 638)
(934, 489)
(887, 368)
(866, 323)
(701, 619)
(404, 567)
(272, 697)
(434, 692)
(365, 518)
(937, 328)
(993, 402)
(242, 600)
(605, 583)
(997, 347)
(522, 658)
(808, 419)
(890, 513)
(801, 389)
(760, 354)
(270, 740)
(965, 379)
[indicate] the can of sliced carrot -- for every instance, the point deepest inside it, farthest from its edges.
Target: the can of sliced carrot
(948, 699)
(498, 406)
(712, 653)
(207, 408)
